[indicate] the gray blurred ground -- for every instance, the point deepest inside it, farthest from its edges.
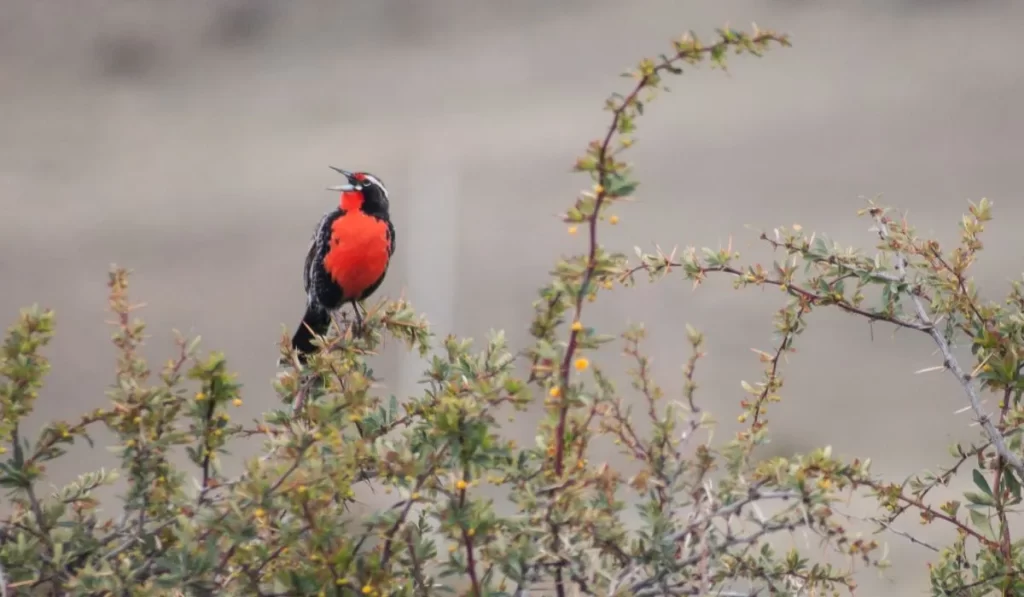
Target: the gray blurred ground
(189, 141)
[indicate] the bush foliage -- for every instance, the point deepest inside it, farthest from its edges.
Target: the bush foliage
(710, 515)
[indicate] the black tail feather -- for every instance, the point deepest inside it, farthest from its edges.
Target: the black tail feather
(319, 321)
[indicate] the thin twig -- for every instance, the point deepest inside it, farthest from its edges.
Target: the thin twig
(793, 290)
(887, 526)
(933, 513)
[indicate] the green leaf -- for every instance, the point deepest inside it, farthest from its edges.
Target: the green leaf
(1012, 483)
(979, 499)
(982, 483)
(981, 521)
(619, 186)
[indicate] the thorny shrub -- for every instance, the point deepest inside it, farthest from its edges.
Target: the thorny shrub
(709, 514)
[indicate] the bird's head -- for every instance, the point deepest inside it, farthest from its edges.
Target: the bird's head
(362, 190)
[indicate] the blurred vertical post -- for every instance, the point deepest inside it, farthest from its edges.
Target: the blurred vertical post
(428, 240)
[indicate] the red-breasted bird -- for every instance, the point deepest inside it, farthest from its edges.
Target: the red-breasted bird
(348, 255)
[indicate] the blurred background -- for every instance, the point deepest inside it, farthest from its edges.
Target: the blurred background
(190, 142)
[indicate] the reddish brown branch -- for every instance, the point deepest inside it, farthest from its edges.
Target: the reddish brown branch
(812, 298)
(932, 513)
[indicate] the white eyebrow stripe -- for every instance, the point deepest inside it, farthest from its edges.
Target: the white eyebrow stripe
(377, 182)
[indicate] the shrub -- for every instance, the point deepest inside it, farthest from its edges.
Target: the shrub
(710, 513)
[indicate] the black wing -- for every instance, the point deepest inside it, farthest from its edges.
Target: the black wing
(313, 274)
(307, 275)
(391, 238)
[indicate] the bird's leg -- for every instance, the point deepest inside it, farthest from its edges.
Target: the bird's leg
(359, 318)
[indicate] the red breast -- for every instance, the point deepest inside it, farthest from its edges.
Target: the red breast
(358, 255)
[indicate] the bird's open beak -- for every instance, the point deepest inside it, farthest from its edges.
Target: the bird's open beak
(350, 186)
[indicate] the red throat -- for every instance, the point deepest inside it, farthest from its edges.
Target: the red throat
(351, 200)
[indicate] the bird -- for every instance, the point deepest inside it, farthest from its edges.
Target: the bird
(348, 256)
